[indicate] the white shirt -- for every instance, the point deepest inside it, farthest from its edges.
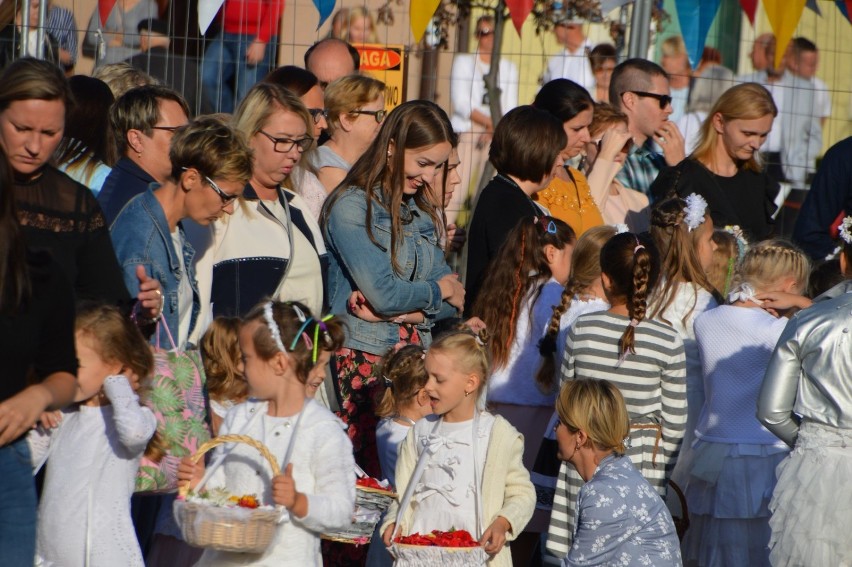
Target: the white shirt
(822, 105)
(680, 97)
(773, 141)
(184, 294)
(690, 126)
(574, 66)
(467, 89)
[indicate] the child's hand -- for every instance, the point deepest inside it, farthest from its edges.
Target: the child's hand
(189, 472)
(388, 534)
(780, 301)
(284, 493)
(494, 538)
(50, 419)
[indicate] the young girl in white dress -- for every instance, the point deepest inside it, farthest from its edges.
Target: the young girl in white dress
(283, 348)
(474, 478)
(93, 454)
(731, 470)
(642, 357)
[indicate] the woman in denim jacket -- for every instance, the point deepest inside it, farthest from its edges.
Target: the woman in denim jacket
(380, 231)
(211, 164)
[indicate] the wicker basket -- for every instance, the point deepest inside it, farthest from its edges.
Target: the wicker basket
(370, 506)
(227, 529)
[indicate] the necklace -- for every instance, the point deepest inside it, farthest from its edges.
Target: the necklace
(404, 419)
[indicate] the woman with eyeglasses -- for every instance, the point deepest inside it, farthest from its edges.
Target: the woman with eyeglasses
(270, 246)
(725, 167)
(210, 165)
(355, 106)
(471, 116)
(305, 85)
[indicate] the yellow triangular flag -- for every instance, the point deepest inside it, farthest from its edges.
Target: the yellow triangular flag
(421, 13)
(784, 16)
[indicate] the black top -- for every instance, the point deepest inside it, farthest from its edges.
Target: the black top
(38, 339)
(125, 181)
(62, 217)
(747, 199)
(501, 205)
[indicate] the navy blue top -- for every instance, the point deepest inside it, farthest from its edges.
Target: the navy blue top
(125, 181)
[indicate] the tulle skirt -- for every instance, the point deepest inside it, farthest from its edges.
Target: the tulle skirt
(812, 503)
(728, 490)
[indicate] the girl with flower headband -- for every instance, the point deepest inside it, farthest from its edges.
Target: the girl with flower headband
(473, 478)
(729, 471)
(643, 357)
(683, 234)
(526, 277)
(283, 347)
(805, 400)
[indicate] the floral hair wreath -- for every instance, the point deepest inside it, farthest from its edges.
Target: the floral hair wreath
(742, 248)
(845, 233)
(696, 207)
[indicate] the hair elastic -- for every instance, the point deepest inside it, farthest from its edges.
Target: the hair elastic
(273, 326)
(634, 323)
(638, 248)
(320, 325)
(388, 382)
(301, 332)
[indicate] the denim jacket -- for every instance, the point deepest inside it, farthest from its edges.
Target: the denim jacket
(140, 235)
(356, 263)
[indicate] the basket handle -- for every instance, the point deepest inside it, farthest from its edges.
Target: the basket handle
(183, 490)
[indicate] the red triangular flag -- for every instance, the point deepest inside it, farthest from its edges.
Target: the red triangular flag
(750, 8)
(104, 8)
(519, 10)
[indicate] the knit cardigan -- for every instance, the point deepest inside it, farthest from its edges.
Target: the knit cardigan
(506, 487)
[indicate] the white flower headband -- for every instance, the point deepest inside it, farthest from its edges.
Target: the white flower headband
(694, 212)
(273, 327)
(742, 243)
(845, 230)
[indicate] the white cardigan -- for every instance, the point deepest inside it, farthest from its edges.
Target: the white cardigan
(506, 487)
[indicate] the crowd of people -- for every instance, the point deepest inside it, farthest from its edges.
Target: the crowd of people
(622, 325)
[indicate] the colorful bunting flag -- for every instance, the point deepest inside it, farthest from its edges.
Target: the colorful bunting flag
(325, 8)
(421, 14)
(845, 7)
(814, 7)
(695, 17)
(104, 8)
(750, 8)
(207, 10)
(784, 16)
(519, 10)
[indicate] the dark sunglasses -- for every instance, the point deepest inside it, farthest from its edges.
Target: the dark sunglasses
(284, 145)
(663, 99)
(379, 115)
(317, 114)
(483, 32)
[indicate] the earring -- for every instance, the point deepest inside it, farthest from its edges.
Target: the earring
(466, 394)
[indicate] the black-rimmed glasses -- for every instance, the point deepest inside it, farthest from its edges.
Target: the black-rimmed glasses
(227, 198)
(663, 99)
(166, 128)
(317, 114)
(285, 145)
(379, 115)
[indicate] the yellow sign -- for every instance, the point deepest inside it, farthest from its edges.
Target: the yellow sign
(387, 64)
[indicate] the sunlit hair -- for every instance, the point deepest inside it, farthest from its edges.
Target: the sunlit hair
(597, 408)
(220, 352)
(585, 271)
(260, 104)
(33, 79)
(724, 261)
(678, 250)
(410, 126)
(293, 332)
(88, 139)
(518, 271)
(469, 353)
(748, 101)
(350, 93)
(406, 374)
(353, 14)
(139, 109)
(15, 284)
(673, 46)
(121, 77)
(117, 340)
(632, 265)
(605, 117)
(214, 148)
(768, 262)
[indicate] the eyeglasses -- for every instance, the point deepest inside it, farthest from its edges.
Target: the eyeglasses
(663, 99)
(318, 113)
(284, 145)
(227, 198)
(379, 115)
(483, 32)
(171, 129)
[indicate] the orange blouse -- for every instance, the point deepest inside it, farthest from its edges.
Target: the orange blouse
(571, 202)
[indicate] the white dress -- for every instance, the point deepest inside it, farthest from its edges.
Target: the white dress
(91, 472)
(445, 496)
(323, 469)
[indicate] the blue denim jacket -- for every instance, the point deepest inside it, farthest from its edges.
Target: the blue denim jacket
(140, 235)
(358, 263)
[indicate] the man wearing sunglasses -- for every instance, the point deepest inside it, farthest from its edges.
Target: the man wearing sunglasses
(640, 89)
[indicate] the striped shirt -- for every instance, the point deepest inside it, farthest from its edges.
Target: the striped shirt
(60, 24)
(653, 383)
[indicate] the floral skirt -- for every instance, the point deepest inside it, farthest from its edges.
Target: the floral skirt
(361, 390)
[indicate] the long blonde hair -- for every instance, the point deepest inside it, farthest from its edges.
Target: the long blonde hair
(749, 101)
(767, 262)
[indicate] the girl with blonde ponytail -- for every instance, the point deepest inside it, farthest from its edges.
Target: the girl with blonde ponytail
(642, 357)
